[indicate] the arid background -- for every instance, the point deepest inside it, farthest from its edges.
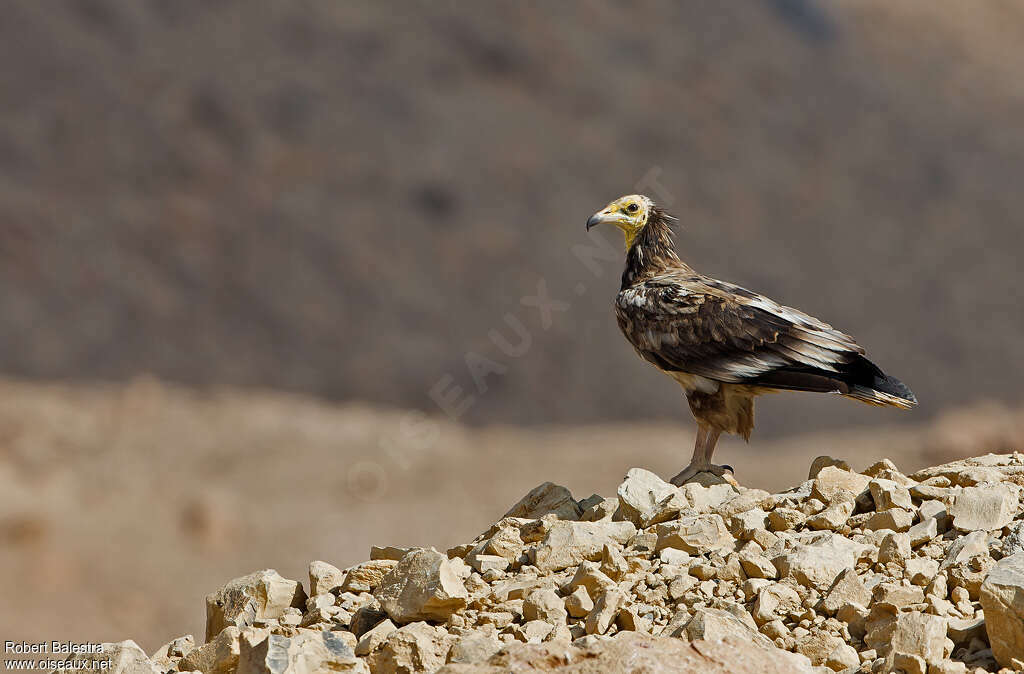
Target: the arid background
(242, 242)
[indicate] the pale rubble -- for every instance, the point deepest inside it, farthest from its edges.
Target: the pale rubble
(854, 572)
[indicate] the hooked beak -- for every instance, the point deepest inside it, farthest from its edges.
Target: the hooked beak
(604, 218)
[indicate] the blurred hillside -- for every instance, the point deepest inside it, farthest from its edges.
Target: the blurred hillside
(345, 198)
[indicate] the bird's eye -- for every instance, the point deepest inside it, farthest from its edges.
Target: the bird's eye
(632, 208)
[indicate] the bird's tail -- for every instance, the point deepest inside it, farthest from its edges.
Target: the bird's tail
(884, 391)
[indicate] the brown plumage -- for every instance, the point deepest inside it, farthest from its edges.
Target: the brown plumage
(724, 344)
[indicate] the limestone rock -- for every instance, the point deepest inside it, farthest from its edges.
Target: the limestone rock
(366, 577)
(846, 589)
(1002, 598)
(579, 604)
(832, 517)
(821, 462)
(308, 652)
(896, 519)
(605, 609)
(843, 657)
(260, 595)
(374, 637)
(168, 655)
(422, 586)
(545, 604)
(712, 624)
(474, 648)
(834, 484)
(123, 657)
(324, 578)
(818, 563)
(697, 534)
(544, 499)
(640, 493)
(919, 634)
(985, 508)
(567, 544)
(416, 647)
(888, 494)
(219, 656)
(818, 646)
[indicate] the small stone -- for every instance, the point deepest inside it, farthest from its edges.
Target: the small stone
(907, 663)
(921, 570)
(589, 576)
(817, 646)
(533, 631)
(373, 638)
(366, 577)
(485, 563)
(775, 629)
(744, 524)
(306, 652)
(888, 494)
(784, 519)
(167, 656)
(847, 589)
(123, 657)
(674, 556)
(962, 630)
(832, 517)
(758, 566)
(422, 586)
(218, 656)
(579, 604)
(547, 498)
(473, 648)
(817, 563)
(640, 493)
(821, 462)
(834, 484)
(603, 510)
(324, 578)
(842, 657)
(715, 624)
(567, 544)
(699, 534)
(923, 532)
(388, 552)
(1002, 598)
(895, 548)
(546, 605)
(964, 548)
(896, 519)
(417, 647)
(774, 601)
(605, 609)
(855, 616)
(919, 634)
(263, 594)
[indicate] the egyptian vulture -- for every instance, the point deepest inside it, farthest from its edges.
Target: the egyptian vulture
(724, 344)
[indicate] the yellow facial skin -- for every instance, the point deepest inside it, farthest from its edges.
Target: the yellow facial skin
(628, 213)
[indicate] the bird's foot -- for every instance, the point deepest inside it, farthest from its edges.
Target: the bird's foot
(694, 469)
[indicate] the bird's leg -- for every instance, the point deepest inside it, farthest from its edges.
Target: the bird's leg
(703, 449)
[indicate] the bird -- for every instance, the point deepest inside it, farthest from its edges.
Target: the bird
(724, 344)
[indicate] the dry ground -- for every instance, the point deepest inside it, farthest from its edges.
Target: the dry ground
(121, 506)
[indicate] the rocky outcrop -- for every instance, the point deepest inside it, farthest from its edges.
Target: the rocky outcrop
(874, 571)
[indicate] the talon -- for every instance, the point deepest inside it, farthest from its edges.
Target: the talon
(728, 468)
